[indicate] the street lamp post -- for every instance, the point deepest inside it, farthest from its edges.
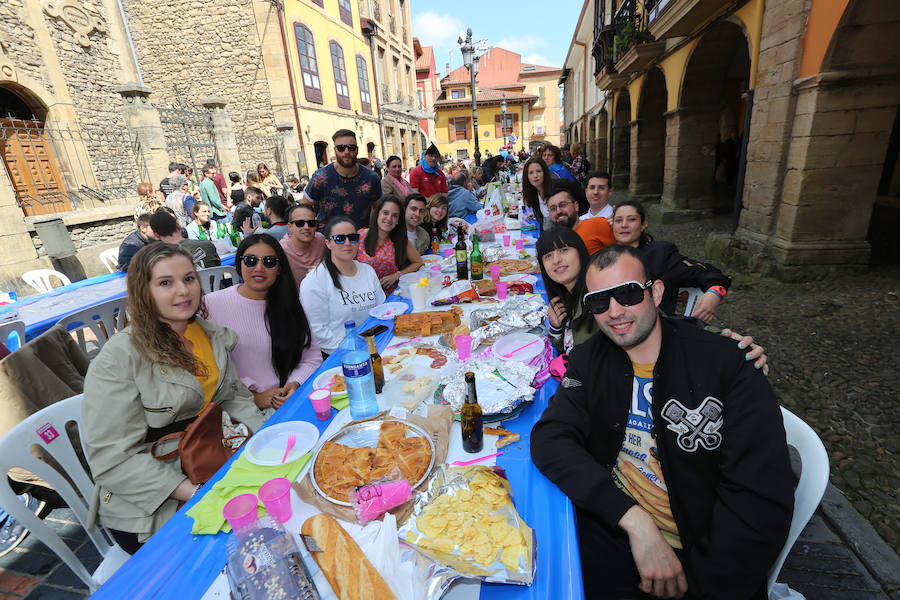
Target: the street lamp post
(471, 63)
(503, 118)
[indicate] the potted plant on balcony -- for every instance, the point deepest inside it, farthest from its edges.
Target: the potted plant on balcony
(624, 39)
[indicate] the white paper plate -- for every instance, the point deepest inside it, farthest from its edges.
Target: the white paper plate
(510, 342)
(388, 310)
(430, 259)
(323, 378)
(267, 447)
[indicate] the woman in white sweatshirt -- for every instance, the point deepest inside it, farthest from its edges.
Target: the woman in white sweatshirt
(339, 289)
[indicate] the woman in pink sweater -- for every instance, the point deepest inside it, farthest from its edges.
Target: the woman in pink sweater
(275, 352)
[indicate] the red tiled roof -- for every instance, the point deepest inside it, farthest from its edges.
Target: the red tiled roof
(487, 96)
(426, 59)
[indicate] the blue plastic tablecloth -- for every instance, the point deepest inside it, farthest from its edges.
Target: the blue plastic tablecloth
(36, 328)
(176, 564)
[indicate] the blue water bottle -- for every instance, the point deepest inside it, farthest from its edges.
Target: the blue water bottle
(357, 366)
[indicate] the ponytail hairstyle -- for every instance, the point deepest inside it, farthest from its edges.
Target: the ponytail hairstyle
(326, 254)
(286, 320)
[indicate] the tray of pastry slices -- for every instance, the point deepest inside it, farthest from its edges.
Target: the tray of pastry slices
(363, 452)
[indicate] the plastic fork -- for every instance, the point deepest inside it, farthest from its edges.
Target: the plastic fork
(292, 439)
(465, 463)
(509, 354)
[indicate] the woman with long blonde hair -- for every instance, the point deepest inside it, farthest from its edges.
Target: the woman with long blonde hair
(152, 379)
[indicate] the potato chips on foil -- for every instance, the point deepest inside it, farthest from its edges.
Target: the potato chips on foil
(466, 520)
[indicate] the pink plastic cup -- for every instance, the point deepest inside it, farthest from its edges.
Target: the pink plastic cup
(240, 512)
(501, 289)
(495, 272)
(448, 252)
(463, 346)
(520, 243)
(506, 239)
(276, 497)
(321, 402)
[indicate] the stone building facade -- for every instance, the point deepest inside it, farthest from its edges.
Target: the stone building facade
(784, 114)
(97, 96)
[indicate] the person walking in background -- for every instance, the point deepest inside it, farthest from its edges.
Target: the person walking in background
(210, 194)
(221, 185)
(343, 188)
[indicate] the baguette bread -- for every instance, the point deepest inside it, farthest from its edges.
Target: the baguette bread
(351, 575)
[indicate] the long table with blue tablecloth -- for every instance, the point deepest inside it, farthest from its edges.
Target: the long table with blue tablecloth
(176, 564)
(43, 311)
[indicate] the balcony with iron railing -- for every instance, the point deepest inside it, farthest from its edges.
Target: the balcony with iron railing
(625, 45)
(676, 18)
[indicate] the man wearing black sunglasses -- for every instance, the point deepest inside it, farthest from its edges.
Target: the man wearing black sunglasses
(670, 445)
(303, 245)
(343, 188)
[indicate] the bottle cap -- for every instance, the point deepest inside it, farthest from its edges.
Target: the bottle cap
(349, 324)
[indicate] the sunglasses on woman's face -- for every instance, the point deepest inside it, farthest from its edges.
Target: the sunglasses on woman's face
(251, 260)
(626, 294)
(340, 238)
(311, 223)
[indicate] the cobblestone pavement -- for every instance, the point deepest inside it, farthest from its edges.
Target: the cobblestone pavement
(833, 362)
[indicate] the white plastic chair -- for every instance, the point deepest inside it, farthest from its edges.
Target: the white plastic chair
(694, 295)
(39, 279)
(110, 259)
(811, 487)
(109, 314)
(211, 278)
(47, 429)
(9, 328)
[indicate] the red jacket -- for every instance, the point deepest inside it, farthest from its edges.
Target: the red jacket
(426, 183)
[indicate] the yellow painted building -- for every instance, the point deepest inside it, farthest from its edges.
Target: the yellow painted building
(333, 76)
(530, 93)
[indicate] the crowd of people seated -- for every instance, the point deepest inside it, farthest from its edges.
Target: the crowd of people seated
(307, 267)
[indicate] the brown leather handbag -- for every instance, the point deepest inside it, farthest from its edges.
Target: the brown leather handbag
(202, 445)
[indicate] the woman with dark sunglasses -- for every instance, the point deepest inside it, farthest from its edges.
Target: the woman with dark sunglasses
(303, 244)
(384, 244)
(668, 264)
(275, 351)
(339, 289)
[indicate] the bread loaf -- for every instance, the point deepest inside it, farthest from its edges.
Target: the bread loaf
(351, 575)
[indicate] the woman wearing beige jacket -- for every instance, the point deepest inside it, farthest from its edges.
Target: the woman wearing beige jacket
(162, 369)
(393, 184)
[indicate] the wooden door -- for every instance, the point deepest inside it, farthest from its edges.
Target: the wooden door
(29, 159)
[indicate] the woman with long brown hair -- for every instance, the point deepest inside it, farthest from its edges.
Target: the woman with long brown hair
(384, 245)
(536, 186)
(436, 210)
(267, 178)
(151, 379)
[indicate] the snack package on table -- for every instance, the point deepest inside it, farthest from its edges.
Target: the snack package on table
(466, 520)
(459, 291)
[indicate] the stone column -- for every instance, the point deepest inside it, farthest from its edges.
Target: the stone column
(291, 160)
(647, 156)
(144, 125)
(223, 130)
(690, 156)
(621, 155)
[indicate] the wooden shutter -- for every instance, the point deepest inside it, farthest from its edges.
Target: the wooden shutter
(468, 128)
(451, 129)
